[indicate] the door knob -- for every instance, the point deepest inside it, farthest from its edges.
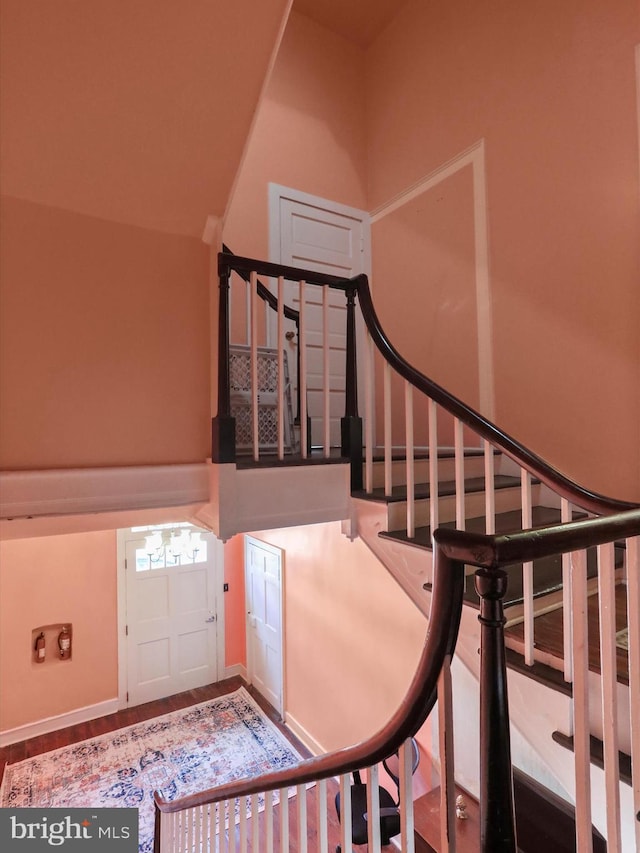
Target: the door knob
(210, 619)
(289, 335)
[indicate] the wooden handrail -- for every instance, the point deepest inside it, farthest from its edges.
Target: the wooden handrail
(244, 266)
(440, 640)
(560, 483)
(263, 291)
(538, 467)
(491, 552)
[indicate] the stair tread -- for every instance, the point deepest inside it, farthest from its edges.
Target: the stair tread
(547, 572)
(505, 522)
(443, 453)
(447, 488)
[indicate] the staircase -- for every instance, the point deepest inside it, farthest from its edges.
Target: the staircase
(481, 504)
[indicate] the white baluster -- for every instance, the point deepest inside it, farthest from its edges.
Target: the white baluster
(447, 766)
(247, 296)
(326, 392)
(281, 380)
(323, 823)
(190, 818)
(458, 442)
(198, 816)
(489, 488)
(213, 829)
(254, 365)
(345, 814)
(388, 459)
(410, 470)
(284, 820)
(301, 796)
(242, 803)
(527, 570)
(580, 700)
(224, 827)
(373, 809)
(633, 624)
(268, 822)
(302, 379)
(167, 832)
(607, 596)
(255, 823)
(407, 838)
(433, 465)
(566, 516)
(369, 417)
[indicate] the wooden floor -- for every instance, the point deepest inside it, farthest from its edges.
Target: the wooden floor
(130, 716)
(548, 634)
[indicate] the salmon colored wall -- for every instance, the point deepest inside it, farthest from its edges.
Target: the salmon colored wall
(309, 133)
(551, 89)
(352, 637)
(426, 248)
(45, 581)
(235, 637)
(104, 342)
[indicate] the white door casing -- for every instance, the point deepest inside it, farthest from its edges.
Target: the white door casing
(171, 619)
(265, 634)
(320, 235)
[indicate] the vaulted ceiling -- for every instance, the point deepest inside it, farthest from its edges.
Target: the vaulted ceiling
(133, 111)
(139, 111)
(359, 21)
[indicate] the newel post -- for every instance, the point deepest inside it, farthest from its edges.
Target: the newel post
(223, 426)
(351, 424)
(157, 830)
(497, 815)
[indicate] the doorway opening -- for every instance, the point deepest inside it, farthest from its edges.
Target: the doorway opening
(171, 611)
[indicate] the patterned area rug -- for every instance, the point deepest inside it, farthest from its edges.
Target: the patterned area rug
(180, 753)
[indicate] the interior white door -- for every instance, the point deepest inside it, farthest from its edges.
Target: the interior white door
(263, 582)
(323, 236)
(171, 619)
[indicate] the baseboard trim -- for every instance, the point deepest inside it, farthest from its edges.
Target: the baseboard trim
(303, 735)
(62, 721)
(235, 670)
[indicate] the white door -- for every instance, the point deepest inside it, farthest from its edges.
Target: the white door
(263, 581)
(323, 236)
(171, 612)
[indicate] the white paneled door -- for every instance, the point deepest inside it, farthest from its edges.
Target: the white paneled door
(323, 236)
(263, 580)
(172, 611)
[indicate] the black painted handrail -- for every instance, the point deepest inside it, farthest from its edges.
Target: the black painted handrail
(244, 266)
(585, 498)
(263, 291)
(538, 467)
(491, 553)
(440, 641)
(496, 551)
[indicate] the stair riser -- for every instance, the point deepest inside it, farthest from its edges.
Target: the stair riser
(505, 501)
(473, 467)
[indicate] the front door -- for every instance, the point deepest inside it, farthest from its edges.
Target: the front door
(172, 610)
(323, 236)
(263, 582)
